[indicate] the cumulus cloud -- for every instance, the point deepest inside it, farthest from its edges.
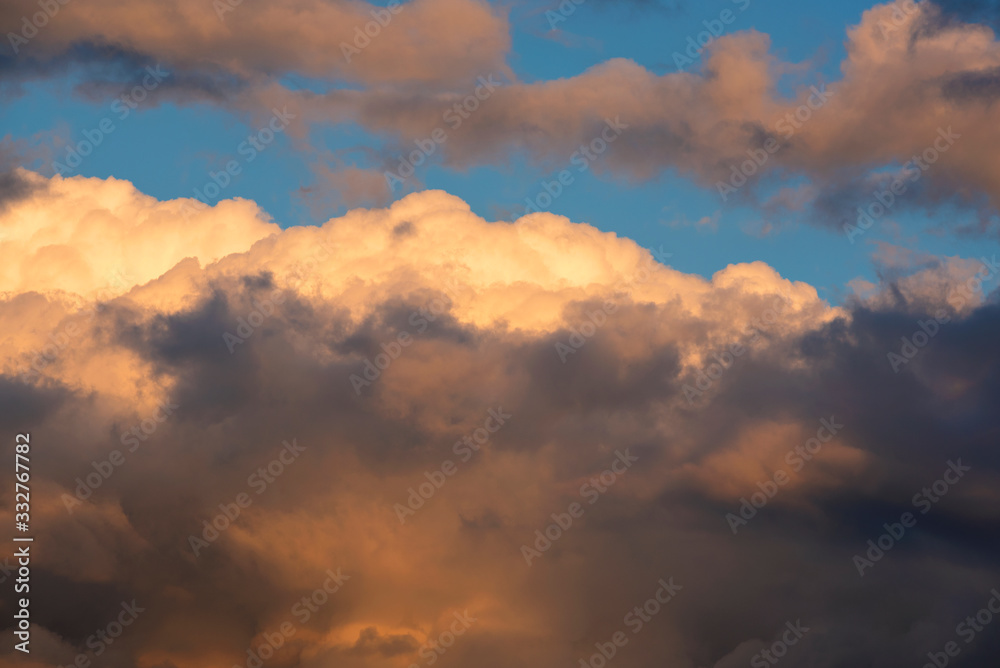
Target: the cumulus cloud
(924, 283)
(88, 235)
(485, 306)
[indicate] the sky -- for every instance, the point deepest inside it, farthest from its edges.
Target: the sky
(467, 333)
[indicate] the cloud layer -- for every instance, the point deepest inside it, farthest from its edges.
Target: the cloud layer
(424, 41)
(509, 366)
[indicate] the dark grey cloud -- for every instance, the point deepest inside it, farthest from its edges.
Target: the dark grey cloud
(792, 562)
(983, 86)
(969, 11)
(16, 186)
(107, 71)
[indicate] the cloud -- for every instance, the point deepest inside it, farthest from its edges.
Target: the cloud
(95, 237)
(968, 11)
(492, 301)
(421, 42)
(929, 122)
(14, 184)
(345, 185)
(930, 115)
